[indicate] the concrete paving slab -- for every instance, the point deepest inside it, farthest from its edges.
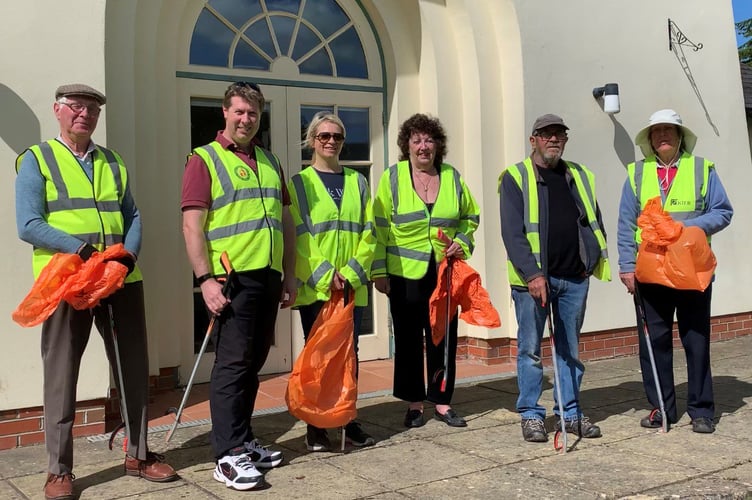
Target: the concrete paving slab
(9, 492)
(413, 462)
(608, 470)
(507, 482)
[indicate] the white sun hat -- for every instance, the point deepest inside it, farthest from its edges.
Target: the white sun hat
(642, 139)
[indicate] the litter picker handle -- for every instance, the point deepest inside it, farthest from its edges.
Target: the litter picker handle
(224, 259)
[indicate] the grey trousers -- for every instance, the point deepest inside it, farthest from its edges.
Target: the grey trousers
(64, 338)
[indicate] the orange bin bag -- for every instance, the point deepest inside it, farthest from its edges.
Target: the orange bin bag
(48, 290)
(97, 279)
(466, 292)
(670, 254)
(322, 389)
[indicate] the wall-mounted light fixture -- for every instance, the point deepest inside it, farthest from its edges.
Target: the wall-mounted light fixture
(610, 94)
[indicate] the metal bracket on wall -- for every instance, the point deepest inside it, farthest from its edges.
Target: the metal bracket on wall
(675, 36)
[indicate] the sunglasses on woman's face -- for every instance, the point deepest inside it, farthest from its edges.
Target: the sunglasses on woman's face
(324, 137)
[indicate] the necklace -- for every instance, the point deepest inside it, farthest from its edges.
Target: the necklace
(425, 185)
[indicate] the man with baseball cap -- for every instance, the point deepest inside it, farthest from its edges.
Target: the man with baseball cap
(73, 196)
(692, 193)
(554, 237)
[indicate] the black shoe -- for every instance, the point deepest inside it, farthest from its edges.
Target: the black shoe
(317, 439)
(414, 418)
(450, 418)
(534, 430)
(357, 436)
(582, 427)
(703, 425)
(654, 420)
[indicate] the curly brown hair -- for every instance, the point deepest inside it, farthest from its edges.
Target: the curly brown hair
(420, 123)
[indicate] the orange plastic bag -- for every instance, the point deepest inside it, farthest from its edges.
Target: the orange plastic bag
(467, 292)
(322, 389)
(670, 254)
(67, 277)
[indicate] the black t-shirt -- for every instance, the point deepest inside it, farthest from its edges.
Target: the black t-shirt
(563, 225)
(334, 183)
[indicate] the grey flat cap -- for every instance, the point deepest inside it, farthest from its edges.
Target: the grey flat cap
(80, 89)
(546, 121)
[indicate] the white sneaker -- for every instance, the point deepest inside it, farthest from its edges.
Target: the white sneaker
(238, 472)
(261, 456)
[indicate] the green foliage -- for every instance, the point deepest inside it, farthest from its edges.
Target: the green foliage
(744, 28)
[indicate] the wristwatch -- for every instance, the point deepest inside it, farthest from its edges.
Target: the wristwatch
(203, 277)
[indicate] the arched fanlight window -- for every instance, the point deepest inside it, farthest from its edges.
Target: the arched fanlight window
(317, 35)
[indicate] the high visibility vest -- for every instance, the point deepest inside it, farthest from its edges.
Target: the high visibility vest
(330, 238)
(87, 210)
(407, 233)
(685, 198)
(524, 175)
(245, 216)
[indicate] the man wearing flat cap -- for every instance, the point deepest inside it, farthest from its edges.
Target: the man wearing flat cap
(692, 193)
(73, 196)
(554, 237)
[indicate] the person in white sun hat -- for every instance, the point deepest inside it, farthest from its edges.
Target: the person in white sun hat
(692, 193)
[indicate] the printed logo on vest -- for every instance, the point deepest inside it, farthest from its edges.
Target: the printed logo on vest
(679, 203)
(242, 172)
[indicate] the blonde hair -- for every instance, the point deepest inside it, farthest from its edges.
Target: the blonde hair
(316, 121)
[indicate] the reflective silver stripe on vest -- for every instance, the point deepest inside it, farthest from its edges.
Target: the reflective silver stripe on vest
(408, 254)
(355, 265)
(530, 227)
(408, 217)
(64, 201)
(584, 181)
(381, 222)
(699, 180)
(394, 186)
(472, 218)
(457, 186)
(229, 193)
(379, 264)
(243, 227)
(464, 239)
(319, 273)
(305, 210)
(441, 222)
(95, 238)
(639, 168)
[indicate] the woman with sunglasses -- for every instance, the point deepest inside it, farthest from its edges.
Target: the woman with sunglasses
(330, 255)
(416, 198)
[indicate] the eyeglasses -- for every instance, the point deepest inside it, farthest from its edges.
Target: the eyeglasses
(547, 135)
(78, 108)
(249, 85)
(324, 137)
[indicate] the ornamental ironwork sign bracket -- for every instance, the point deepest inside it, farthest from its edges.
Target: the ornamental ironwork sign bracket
(676, 37)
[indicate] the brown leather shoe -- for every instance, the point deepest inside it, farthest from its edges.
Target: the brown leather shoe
(153, 468)
(59, 487)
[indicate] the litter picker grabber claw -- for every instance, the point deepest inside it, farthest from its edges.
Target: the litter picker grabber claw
(224, 259)
(446, 324)
(557, 382)
(348, 287)
(646, 333)
(121, 385)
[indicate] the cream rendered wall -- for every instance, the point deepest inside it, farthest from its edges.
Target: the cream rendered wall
(46, 43)
(570, 47)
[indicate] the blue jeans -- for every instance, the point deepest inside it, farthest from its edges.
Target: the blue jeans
(568, 298)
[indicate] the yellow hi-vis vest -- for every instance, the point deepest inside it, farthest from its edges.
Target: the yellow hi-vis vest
(686, 196)
(245, 216)
(87, 210)
(524, 175)
(407, 233)
(331, 238)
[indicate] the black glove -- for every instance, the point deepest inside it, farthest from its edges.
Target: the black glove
(86, 251)
(127, 260)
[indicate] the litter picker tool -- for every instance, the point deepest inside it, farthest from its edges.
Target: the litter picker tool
(224, 259)
(643, 319)
(121, 386)
(446, 323)
(557, 382)
(348, 287)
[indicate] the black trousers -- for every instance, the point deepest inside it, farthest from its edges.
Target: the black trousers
(242, 339)
(408, 301)
(693, 317)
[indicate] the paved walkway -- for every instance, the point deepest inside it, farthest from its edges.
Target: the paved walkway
(488, 459)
